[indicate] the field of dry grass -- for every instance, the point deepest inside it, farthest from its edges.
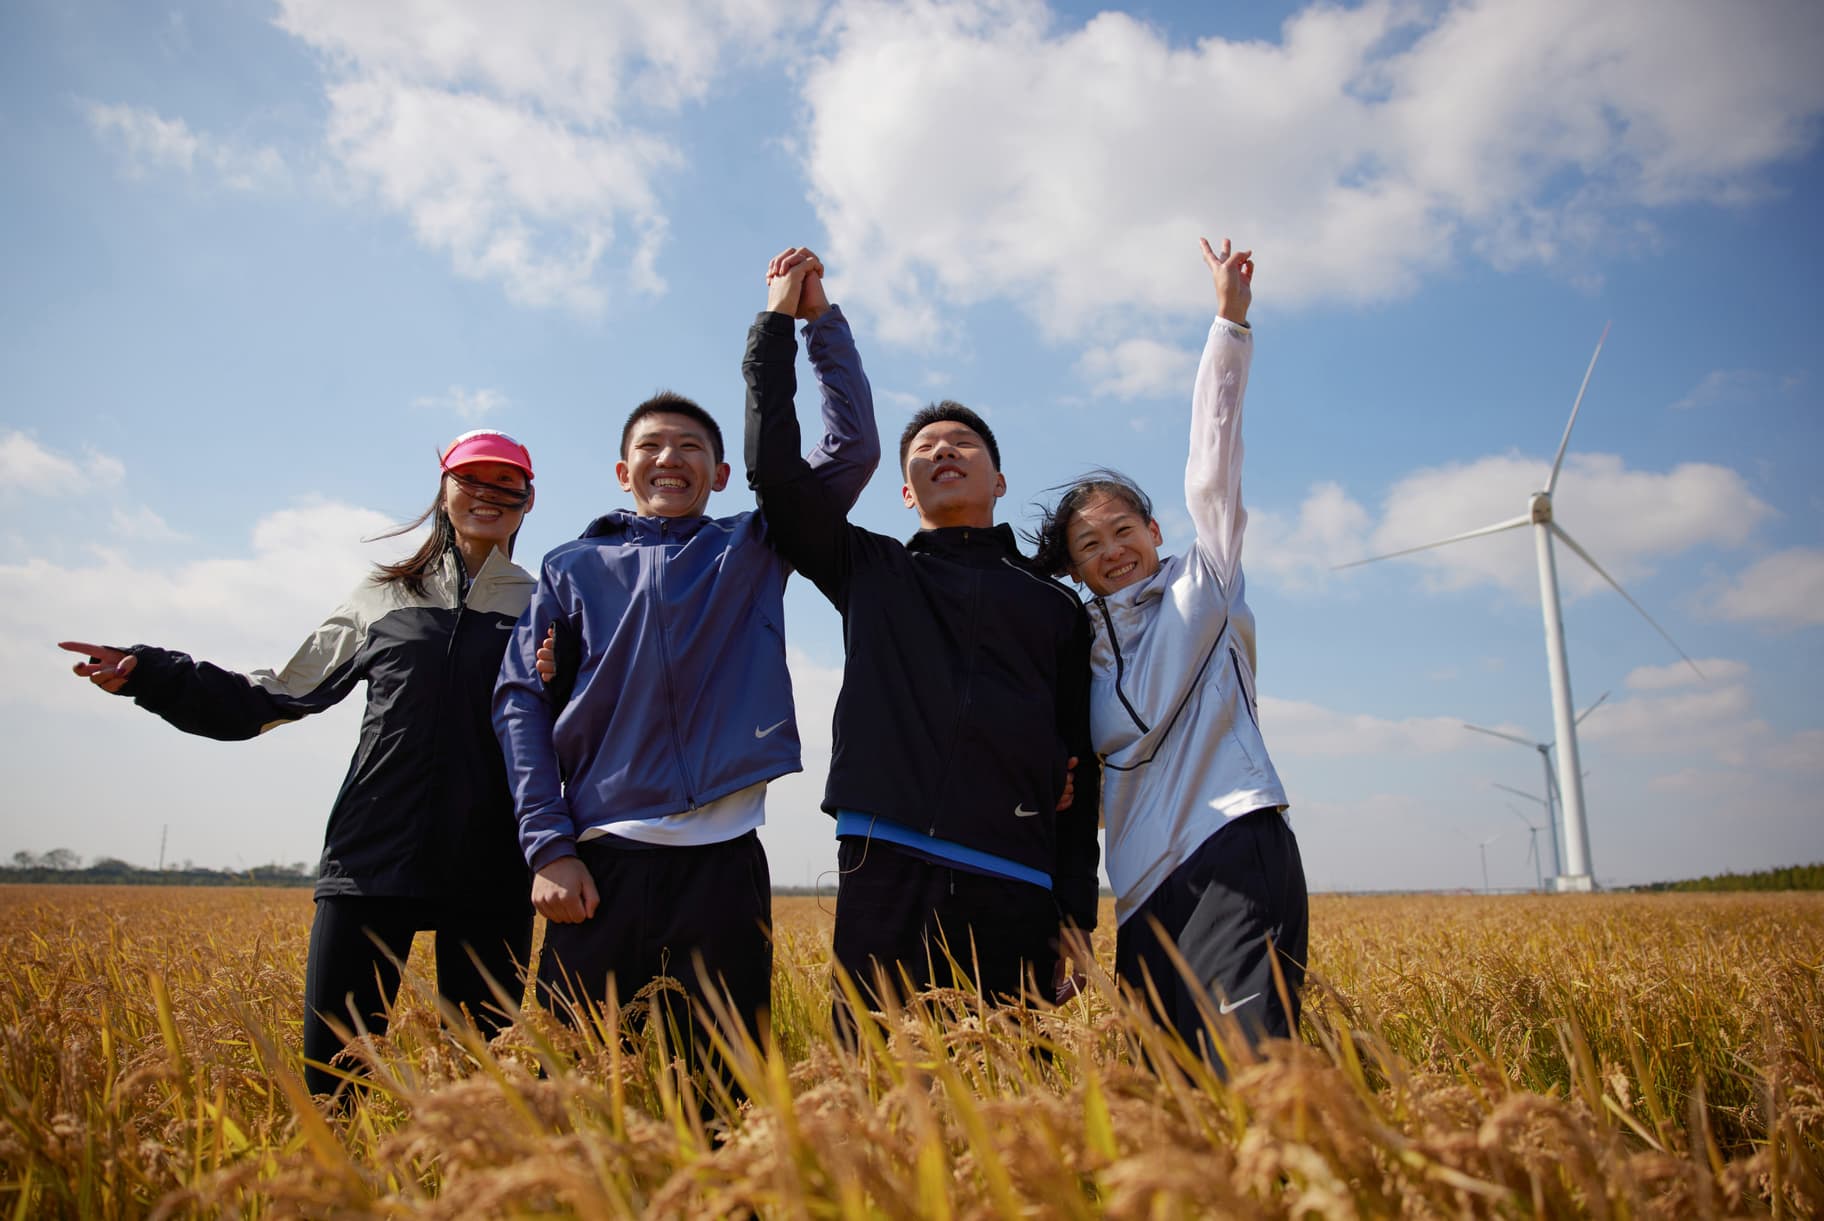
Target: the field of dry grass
(1511, 1056)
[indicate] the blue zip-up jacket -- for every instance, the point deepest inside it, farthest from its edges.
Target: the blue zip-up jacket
(681, 691)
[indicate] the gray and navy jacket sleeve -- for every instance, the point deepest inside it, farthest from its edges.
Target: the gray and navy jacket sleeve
(201, 698)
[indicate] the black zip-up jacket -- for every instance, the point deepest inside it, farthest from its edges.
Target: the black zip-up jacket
(965, 687)
(424, 811)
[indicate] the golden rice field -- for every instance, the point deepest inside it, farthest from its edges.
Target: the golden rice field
(1516, 1056)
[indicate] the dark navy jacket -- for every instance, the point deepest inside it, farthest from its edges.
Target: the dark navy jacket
(965, 684)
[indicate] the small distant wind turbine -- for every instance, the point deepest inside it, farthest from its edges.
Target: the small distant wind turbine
(1532, 848)
(1551, 781)
(1484, 844)
(1577, 873)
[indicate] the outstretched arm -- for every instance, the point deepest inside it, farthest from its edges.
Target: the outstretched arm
(1212, 473)
(209, 701)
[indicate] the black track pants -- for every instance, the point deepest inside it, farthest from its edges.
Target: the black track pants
(350, 975)
(1243, 886)
(660, 908)
(898, 911)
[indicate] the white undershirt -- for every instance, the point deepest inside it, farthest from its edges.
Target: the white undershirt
(721, 820)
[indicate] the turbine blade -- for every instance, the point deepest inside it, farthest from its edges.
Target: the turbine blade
(1591, 708)
(1519, 793)
(1588, 559)
(1571, 423)
(1496, 733)
(1455, 538)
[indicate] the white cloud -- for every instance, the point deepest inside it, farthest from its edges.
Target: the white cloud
(1718, 387)
(1297, 728)
(150, 141)
(28, 466)
(470, 405)
(511, 138)
(1801, 752)
(1138, 368)
(1678, 674)
(1331, 529)
(145, 526)
(1627, 519)
(1364, 149)
(1713, 720)
(1785, 588)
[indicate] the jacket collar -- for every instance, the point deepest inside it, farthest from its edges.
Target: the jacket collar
(496, 570)
(625, 524)
(957, 541)
(1139, 597)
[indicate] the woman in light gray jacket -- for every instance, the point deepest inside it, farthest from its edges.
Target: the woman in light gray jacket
(1203, 862)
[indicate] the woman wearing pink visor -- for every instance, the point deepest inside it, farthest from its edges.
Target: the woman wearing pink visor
(422, 834)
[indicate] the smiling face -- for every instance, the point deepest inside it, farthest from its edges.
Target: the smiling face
(670, 466)
(1111, 544)
(481, 516)
(950, 477)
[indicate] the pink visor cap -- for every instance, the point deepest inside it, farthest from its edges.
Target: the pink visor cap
(487, 445)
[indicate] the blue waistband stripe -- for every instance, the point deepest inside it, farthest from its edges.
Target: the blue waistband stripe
(866, 826)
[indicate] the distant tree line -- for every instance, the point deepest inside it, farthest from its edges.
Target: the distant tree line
(62, 865)
(1792, 877)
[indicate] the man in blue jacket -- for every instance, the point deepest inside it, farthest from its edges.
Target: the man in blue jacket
(639, 775)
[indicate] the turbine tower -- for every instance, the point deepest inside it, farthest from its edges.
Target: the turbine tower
(1578, 873)
(1551, 781)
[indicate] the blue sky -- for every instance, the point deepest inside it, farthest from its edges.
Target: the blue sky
(263, 259)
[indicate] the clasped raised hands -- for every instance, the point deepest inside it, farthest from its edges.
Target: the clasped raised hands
(794, 284)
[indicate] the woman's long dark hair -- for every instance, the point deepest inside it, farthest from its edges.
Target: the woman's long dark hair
(414, 568)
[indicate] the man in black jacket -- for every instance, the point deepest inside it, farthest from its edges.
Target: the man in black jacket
(962, 781)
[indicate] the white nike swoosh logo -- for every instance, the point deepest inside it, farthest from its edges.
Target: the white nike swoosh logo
(1020, 811)
(506, 627)
(1232, 1006)
(761, 733)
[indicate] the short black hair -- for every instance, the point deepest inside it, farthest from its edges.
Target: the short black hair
(668, 402)
(936, 413)
(1050, 541)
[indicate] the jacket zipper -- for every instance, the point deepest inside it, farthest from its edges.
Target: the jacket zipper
(1114, 642)
(671, 695)
(962, 710)
(1247, 697)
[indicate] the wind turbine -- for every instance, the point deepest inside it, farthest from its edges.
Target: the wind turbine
(1551, 781)
(1577, 873)
(1485, 843)
(1532, 849)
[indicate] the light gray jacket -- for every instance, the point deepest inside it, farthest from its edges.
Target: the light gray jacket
(1172, 704)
